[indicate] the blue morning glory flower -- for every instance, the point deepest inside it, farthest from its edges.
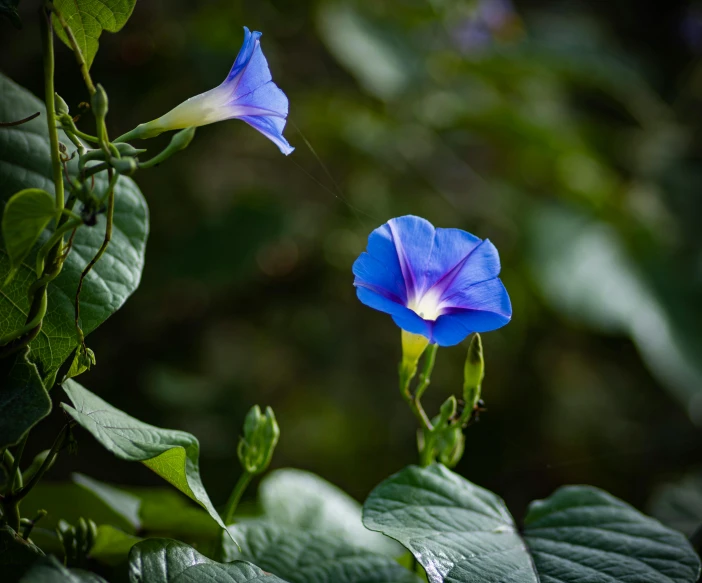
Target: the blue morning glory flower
(440, 283)
(248, 93)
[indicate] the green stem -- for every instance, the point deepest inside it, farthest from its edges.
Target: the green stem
(103, 247)
(14, 478)
(74, 222)
(53, 453)
(234, 498)
(48, 35)
(425, 375)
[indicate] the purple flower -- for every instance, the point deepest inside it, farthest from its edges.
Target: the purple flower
(440, 283)
(248, 93)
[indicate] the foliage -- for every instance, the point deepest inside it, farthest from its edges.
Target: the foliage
(74, 231)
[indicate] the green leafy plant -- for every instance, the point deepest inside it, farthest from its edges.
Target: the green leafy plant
(74, 232)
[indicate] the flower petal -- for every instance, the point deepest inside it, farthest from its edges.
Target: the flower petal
(413, 238)
(404, 317)
(487, 296)
(451, 329)
(379, 266)
(272, 128)
(244, 56)
(481, 263)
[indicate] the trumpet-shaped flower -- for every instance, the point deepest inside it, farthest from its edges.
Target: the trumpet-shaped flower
(248, 93)
(440, 283)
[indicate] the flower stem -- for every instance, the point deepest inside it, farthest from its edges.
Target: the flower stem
(234, 498)
(48, 36)
(53, 453)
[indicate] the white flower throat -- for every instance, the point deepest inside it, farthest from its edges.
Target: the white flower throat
(428, 305)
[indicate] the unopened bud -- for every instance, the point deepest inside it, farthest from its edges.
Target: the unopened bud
(473, 372)
(450, 444)
(100, 102)
(125, 149)
(447, 411)
(126, 166)
(260, 437)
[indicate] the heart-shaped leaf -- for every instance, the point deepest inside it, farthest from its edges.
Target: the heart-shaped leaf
(456, 530)
(169, 561)
(23, 400)
(26, 215)
(25, 162)
(303, 557)
(581, 533)
(302, 500)
(171, 454)
(461, 533)
(88, 18)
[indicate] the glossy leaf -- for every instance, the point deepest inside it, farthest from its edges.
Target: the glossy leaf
(302, 500)
(170, 561)
(16, 554)
(583, 534)
(25, 163)
(23, 400)
(461, 533)
(457, 531)
(171, 454)
(50, 570)
(306, 557)
(88, 18)
(25, 217)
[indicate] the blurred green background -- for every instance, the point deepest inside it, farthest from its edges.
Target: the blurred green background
(568, 133)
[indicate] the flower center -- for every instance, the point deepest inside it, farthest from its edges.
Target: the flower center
(427, 306)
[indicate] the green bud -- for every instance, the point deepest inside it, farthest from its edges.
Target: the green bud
(82, 361)
(450, 444)
(125, 149)
(77, 541)
(60, 105)
(182, 139)
(126, 166)
(473, 373)
(260, 437)
(100, 102)
(447, 411)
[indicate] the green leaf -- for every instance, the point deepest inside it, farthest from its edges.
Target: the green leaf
(581, 534)
(306, 557)
(8, 8)
(457, 531)
(169, 561)
(171, 454)
(125, 504)
(26, 215)
(16, 554)
(49, 570)
(23, 400)
(82, 498)
(302, 500)
(25, 162)
(112, 545)
(461, 533)
(88, 18)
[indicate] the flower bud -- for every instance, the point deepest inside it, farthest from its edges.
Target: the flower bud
(473, 373)
(126, 166)
(125, 149)
(450, 444)
(60, 105)
(100, 102)
(261, 434)
(447, 411)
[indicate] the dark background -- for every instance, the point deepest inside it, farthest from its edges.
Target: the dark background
(567, 133)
